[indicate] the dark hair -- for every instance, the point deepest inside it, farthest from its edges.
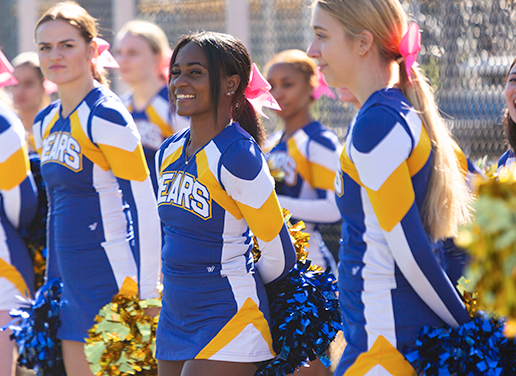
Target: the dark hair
(78, 17)
(226, 56)
(510, 126)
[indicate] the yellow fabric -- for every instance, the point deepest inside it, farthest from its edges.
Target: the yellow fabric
(11, 274)
(249, 313)
(462, 161)
(128, 165)
(265, 222)
(348, 167)
(15, 169)
(303, 166)
(156, 119)
(394, 198)
(170, 159)
(384, 354)
(217, 194)
(129, 287)
(88, 149)
(420, 154)
(323, 178)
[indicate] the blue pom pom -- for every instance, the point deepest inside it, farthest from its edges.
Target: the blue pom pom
(36, 332)
(478, 347)
(305, 318)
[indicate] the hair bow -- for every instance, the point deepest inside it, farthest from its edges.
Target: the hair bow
(258, 92)
(409, 47)
(322, 87)
(49, 86)
(104, 59)
(6, 72)
(165, 63)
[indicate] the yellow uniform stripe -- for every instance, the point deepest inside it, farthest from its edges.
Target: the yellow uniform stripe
(323, 178)
(88, 149)
(303, 166)
(15, 169)
(265, 222)
(10, 273)
(156, 119)
(462, 161)
(249, 313)
(420, 154)
(170, 159)
(128, 165)
(50, 125)
(384, 354)
(217, 194)
(348, 167)
(394, 198)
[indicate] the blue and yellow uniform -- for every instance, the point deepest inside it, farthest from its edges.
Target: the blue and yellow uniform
(391, 284)
(18, 204)
(214, 302)
(507, 159)
(309, 160)
(103, 223)
(155, 124)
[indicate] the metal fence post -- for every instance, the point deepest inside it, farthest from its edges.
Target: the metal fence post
(123, 12)
(27, 18)
(238, 20)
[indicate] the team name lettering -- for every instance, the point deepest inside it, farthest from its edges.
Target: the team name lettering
(285, 162)
(62, 148)
(183, 190)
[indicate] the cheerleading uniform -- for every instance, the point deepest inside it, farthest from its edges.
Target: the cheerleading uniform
(155, 124)
(309, 160)
(103, 224)
(214, 303)
(507, 159)
(18, 203)
(391, 284)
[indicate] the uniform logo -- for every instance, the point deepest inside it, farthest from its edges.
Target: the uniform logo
(62, 148)
(282, 161)
(183, 190)
(339, 185)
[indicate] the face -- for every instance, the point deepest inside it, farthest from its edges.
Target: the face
(336, 54)
(510, 93)
(190, 82)
(28, 93)
(64, 55)
(290, 88)
(137, 60)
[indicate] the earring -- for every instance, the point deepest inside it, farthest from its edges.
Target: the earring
(237, 104)
(230, 93)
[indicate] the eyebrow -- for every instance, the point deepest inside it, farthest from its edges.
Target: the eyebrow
(61, 41)
(190, 64)
(318, 28)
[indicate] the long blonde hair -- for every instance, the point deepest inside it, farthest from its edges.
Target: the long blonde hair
(447, 203)
(78, 17)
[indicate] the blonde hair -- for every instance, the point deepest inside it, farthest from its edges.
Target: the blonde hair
(152, 34)
(78, 17)
(447, 202)
(300, 60)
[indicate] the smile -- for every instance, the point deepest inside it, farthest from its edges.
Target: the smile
(184, 96)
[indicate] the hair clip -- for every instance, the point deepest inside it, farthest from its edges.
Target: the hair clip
(103, 59)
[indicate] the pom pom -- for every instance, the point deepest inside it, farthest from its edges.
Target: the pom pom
(305, 318)
(123, 340)
(305, 313)
(36, 332)
(478, 347)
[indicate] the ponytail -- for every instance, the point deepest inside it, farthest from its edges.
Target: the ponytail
(447, 203)
(244, 113)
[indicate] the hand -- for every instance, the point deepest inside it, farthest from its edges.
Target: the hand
(152, 311)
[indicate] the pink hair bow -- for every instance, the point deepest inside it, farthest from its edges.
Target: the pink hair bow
(409, 47)
(322, 87)
(165, 63)
(49, 87)
(6, 72)
(104, 59)
(258, 92)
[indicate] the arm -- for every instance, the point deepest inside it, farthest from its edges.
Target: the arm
(246, 178)
(115, 133)
(380, 149)
(317, 210)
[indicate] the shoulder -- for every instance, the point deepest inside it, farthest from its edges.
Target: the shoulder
(163, 93)
(176, 138)
(107, 106)
(386, 114)
(8, 118)
(322, 135)
(51, 108)
(242, 156)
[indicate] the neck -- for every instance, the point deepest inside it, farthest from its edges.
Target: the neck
(203, 129)
(144, 91)
(73, 93)
(27, 118)
(297, 121)
(374, 76)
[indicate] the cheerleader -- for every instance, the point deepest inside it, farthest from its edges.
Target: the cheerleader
(214, 189)
(18, 202)
(307, 152)
(143, 53)
(508, 159)
(29, 95)
(398, 169)
(103, 224)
